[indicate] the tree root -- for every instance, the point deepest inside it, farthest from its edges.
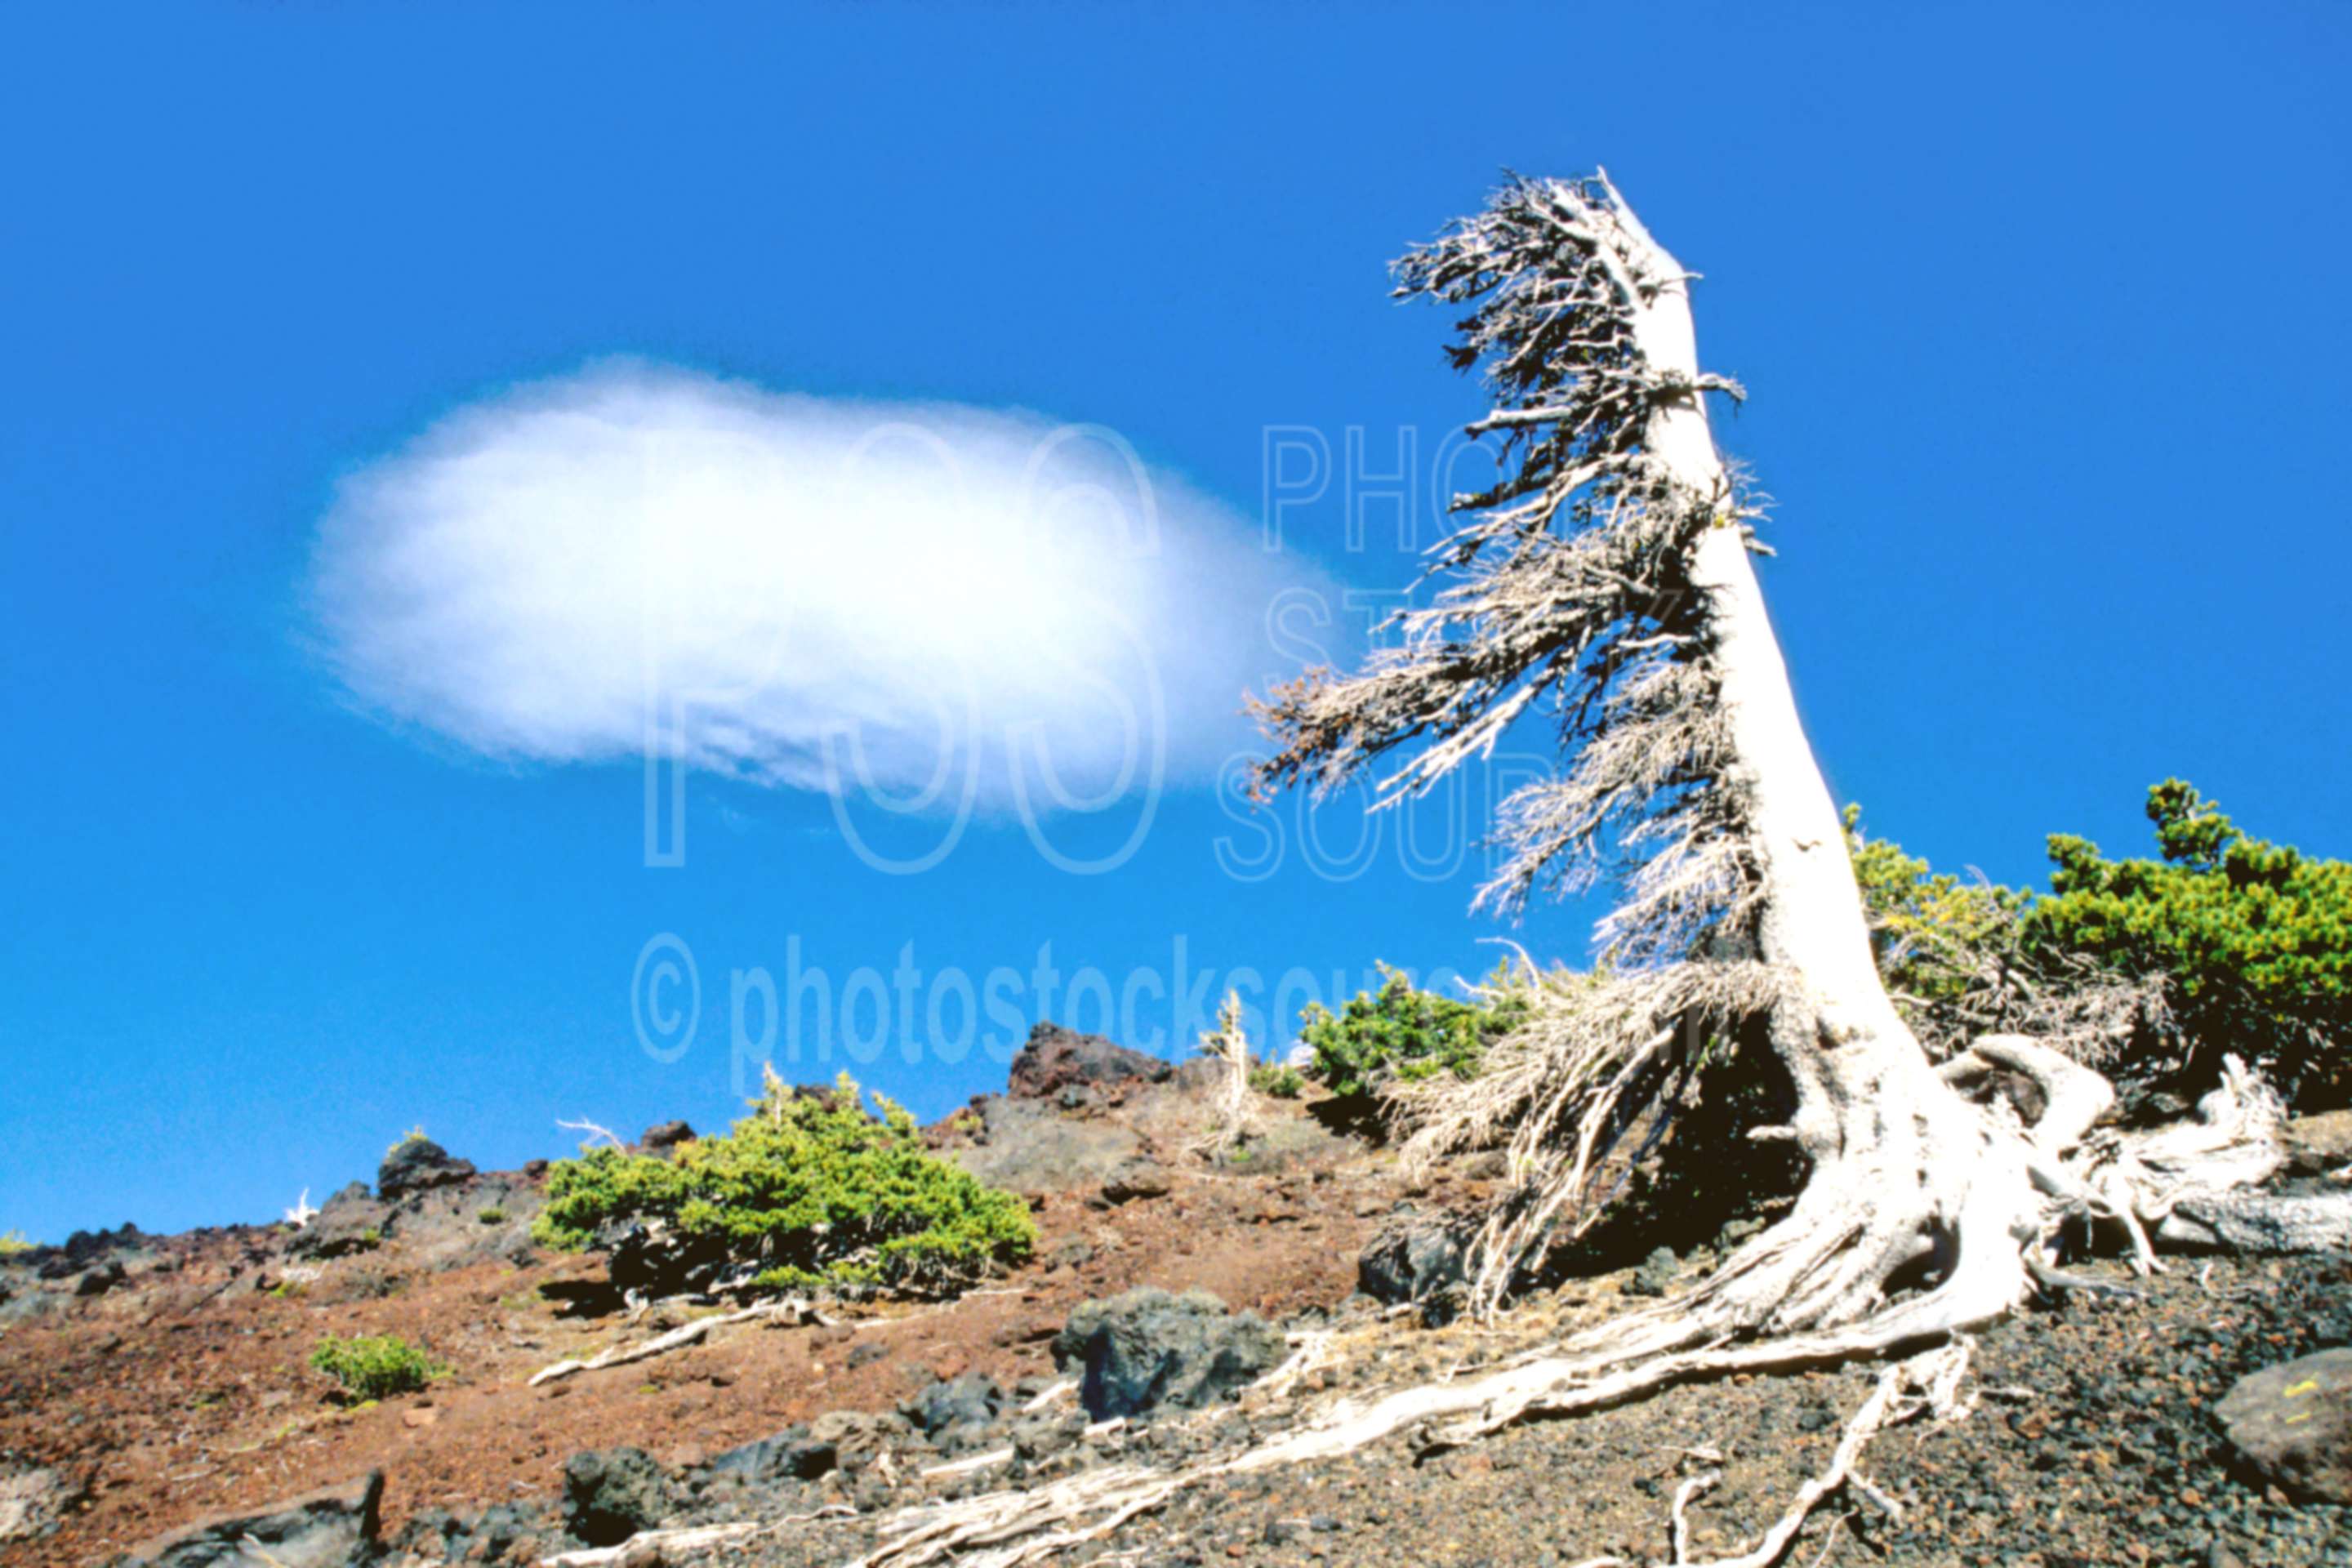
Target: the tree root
(1926, 1384)
(1982, 1202)
(1018, 1527)
(795, 1310)
(653, 1546)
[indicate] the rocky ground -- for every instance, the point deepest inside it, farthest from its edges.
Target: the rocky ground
(148, 1385)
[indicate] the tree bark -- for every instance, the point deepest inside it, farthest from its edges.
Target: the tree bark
(1904, 1166)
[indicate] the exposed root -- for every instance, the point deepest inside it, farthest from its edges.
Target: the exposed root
(1011, 1527)
(1678, 1527)
(653, 1546)
(1036, 1523)
(1309, 1354)
(1567, 1084)
(796, 1310)
(1925, 1384)
(1969, 1192)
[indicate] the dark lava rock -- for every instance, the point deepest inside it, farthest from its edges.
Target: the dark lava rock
(435, 1534)
(1055, 1058)
(2293, 1424)
(84, 1249)
(415, 1165)
(1419, 1256)
(352, 1221)
(1141, 1179)
(1147, 1351)
(1027, 1146)
(971, 1400)
(791, 1453)
(100, 1279)
(503, 1524)
(610, 1494)
(1656, 1274)
(333, 1527)
(857, 1435)
(663, 1137)
(1039, 1437)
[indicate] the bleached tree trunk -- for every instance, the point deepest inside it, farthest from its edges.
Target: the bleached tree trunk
(1810, 918)
(1905, 1168)
(1611, 571)
(1894, 1148)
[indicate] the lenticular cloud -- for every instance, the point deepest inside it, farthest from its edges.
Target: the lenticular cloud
(813, 594)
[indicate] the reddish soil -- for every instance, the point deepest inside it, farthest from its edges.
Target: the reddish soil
(186, 1394)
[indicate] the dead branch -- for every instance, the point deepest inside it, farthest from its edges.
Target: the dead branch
(797, 1311)
(1920, 1386)
(594, 1130)
(653, 1546)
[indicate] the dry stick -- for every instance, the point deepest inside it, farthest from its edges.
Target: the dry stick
(1680, 1523)
(621, 1355)
(931, 1532)
(1929, 1371)
(1067, 1386)
(584, 1125)
(653, 1545)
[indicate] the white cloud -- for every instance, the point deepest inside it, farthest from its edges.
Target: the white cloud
(797, 591)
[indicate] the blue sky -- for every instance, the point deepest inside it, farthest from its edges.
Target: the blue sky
(2039, 309)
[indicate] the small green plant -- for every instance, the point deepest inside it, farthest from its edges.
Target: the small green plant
(1398, 1032)
(808, 1190)
(1277, 1080)
(492, 1216)
(2248, 944)
(376, 1366)
(414, 1135)
(2255, 939)
(13, 1243)
(1934, 933)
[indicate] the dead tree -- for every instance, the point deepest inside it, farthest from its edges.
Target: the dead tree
(1608, 580)
(1236, 1117)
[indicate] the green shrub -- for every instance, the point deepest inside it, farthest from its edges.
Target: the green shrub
(491, 1216)
(808, 1190)
(13, 1243)
(375, 1366)
(1274, 1079)
(1932, 931)
(1398, 1032)
(414, 1135)
(2249, 945)
(2254, 938)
